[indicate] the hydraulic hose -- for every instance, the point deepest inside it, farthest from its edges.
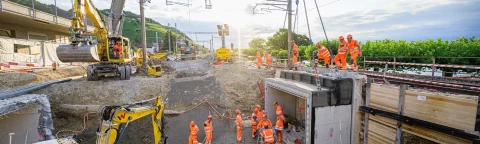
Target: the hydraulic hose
(30, 88)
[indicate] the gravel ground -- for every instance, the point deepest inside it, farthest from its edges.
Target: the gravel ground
(12, 80)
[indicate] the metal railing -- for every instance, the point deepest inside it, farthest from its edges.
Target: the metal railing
(434, 65)
(18, 9)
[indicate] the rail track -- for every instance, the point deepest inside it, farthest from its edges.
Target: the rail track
(442, 84)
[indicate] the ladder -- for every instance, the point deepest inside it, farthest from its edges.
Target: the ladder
(261, 87)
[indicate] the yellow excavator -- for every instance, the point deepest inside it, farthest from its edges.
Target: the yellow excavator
(106, 47)
(115, 120)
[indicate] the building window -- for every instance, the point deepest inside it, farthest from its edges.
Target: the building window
(5, 33)
(36, 36)
(23, 49)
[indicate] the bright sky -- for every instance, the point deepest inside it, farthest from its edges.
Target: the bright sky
(364, 19)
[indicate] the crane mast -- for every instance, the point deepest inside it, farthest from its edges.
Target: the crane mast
(116, 14)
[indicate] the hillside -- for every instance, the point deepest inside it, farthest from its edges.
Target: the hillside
(131, 27)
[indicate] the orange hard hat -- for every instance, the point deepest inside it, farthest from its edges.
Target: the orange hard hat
(255, 110)
(237, 111)
(341, 38)
(349, 36)
(209, 116)
(192, 123)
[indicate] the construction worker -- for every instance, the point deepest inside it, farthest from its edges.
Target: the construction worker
(259, 58)
(267, 135)
(254, 122)
(192, 139)
(260, 113)
(294, 52)
(324, 54)
(208, 127)
(117, 49)
(268, 59)
(239, 125)
(278, 108)
(265, 122)
(279, 129)
(342, 54)
(355, 51)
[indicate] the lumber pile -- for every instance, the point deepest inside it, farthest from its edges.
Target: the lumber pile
(456, 111)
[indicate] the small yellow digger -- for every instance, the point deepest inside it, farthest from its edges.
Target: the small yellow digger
(153, 70)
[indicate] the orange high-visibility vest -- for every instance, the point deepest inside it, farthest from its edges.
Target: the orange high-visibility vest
(353, 46)
(323, 52)
(279, 125)
(193, 131)
(279, 110)
(254, 122)
(208, 127)
(239, 121)
(268, 135)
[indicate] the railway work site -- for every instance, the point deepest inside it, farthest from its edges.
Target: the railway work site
(110, 72)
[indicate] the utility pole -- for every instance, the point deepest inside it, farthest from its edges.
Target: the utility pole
(56, 19)
(144, 34)
(213, 49)
(289, 10)
(169, 45)
(175, 50)
(156, 40)
(308, 24)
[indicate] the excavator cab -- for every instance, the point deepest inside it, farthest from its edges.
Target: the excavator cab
(118, 50)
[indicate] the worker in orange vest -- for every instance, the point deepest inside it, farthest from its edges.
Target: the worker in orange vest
(192, 139)
(294, 52)
(260, 113)
(254, 120)
(259, 58)
(324, 54)
(355, 51)
(278, 108)
(239, 125)
(265, 122)
(117, 49)
(267, 135)
(342, 54)
(268, 59)
(279, 129)
(208, 127)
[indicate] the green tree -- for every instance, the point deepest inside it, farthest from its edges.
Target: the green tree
(280, 40)
(257, 43)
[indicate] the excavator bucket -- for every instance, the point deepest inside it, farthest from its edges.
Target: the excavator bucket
(77, 53)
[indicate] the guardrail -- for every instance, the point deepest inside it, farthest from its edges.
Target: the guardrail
(433, 65)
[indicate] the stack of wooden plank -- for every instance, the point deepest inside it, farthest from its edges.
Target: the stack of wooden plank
(456, 111)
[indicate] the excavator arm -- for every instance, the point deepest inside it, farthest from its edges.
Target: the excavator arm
(115, 120)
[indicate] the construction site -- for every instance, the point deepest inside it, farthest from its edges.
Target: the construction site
(89, 79)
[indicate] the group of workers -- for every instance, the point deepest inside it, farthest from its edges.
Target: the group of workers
(267, 56)
(260, 125)
(340, 60)
(207, 126)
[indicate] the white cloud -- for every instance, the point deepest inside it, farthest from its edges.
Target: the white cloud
(363, 18)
